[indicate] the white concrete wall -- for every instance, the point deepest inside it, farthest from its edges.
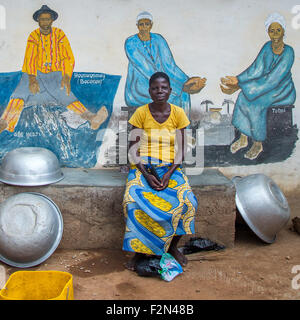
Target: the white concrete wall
(209, 38)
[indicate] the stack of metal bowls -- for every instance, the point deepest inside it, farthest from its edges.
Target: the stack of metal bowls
(30, 166)
(31, 224)
(31, 228)
(262, 205)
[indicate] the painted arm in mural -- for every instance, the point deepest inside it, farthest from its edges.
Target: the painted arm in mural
(30, 62)
(67, 62)
(230, 84)
(146, 67)
(189, 85)
(254, 81)
(256, 87)
(138, 59)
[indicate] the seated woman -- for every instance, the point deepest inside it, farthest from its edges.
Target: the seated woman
(160, 208)
(267, 82)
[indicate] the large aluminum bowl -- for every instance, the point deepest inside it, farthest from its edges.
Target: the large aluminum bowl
(262, 205)
(31, 228)
(30, 166)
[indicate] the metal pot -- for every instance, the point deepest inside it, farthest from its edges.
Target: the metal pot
(31, 228)
(30, 166)
(262, 205)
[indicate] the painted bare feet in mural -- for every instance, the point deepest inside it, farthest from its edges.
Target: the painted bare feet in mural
(241, 143)
(254, 151)
(3, 125)
(96, 119)
(46, 74)
(267, 82)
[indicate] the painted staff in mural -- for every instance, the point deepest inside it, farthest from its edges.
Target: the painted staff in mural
(267, 82)
(47, 71)
(148, 53)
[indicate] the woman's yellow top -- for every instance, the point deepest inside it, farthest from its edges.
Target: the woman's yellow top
(158, 139)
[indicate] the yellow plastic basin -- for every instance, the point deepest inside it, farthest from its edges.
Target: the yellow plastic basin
(38, 285)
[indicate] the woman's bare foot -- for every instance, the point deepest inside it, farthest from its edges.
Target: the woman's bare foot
(254, 151)
(180, 257)
(241, 143)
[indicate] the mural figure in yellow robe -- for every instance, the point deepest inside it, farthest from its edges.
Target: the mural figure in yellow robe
(47, 71)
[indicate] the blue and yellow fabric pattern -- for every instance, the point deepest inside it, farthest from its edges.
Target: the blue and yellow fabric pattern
(154, 217)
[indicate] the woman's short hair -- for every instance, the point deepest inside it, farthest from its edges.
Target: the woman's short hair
(158, 75)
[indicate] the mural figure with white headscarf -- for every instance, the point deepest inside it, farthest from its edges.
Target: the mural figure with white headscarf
(148, 53)
(266, 82)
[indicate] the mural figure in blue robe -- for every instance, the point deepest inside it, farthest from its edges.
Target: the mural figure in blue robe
(267, 82)
(148, 53)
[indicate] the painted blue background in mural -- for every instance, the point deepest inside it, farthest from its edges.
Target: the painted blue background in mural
(74, 143)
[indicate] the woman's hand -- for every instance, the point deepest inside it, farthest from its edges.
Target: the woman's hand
(165, 181)
(153, 182)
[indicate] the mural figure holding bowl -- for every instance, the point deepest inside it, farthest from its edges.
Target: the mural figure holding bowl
(148, 53)
(46, 75)
(266, 82)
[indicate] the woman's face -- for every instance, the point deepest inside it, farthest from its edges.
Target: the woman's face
(276, 32)
(160, 90)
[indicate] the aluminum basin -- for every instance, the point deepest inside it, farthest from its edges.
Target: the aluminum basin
(31, 228)
(30, 166)
(262, 205)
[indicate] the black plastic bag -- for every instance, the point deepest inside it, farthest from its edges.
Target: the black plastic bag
(148, 267)
(200, 244)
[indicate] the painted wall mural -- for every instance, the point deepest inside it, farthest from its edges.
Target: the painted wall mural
(259, 130)
(267, 82)
(46, 105)
(148, 53)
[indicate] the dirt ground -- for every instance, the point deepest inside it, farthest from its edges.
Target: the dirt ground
(251, 270)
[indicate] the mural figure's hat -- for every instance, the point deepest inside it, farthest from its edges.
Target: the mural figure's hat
(45, 9)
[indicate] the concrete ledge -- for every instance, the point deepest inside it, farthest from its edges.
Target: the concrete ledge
(91, 204)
